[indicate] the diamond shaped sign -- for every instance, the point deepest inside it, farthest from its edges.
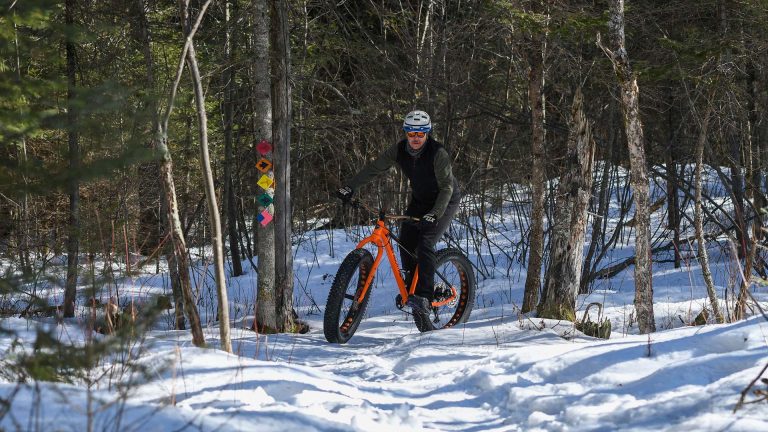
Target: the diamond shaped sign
(263, 165)
(264, 218)
(265, 199)
(264, 147)
(265, 182)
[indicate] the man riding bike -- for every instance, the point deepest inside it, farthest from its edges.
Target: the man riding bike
(434, 200)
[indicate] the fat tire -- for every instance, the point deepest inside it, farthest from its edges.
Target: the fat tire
(466, 294)
(358, 264)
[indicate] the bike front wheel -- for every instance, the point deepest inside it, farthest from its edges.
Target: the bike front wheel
(346, 302)
(454, 288)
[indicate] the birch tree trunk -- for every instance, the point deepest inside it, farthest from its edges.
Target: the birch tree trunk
(281, 130)
(210, 192)
(266, 307)
(638, 170)
(73, 239)
(536, 102)
(698, 219)
(563, 277)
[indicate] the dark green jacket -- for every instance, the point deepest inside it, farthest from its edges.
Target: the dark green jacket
(433, 186)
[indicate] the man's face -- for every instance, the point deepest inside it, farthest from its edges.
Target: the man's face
(416, 139)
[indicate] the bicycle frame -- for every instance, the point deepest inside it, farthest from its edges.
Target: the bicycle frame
(380, 237)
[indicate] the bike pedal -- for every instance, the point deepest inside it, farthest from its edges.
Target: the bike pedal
(399, 302)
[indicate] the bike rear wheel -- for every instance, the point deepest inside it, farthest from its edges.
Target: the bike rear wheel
(454, 292)
(344, 308)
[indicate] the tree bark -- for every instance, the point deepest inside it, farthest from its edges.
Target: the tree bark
(536, 102)
(638, 169)
(673, 210)
(759, 126)
(149, 190)
(264, 235)
(733, 139)
(151, 187)
(698, 219)
(23, 214)
(210, 193)
(281, 130)
(178, 243)
(230, 205)
(732, 134)
(73, 240)
(166, 174)
(563, 277)
(599, 221)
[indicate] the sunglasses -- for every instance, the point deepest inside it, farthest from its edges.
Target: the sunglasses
(416, 134)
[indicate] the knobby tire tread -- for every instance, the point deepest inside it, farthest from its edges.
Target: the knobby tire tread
(351, 266)
(466, 296)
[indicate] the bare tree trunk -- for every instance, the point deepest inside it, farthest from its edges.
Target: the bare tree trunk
(266, 307)
(149, 191)
(73, 240)
(151, 188)
(563, 278)
(751, 154)
(759, 125)
(230, 205)
(638, 170)
(210, 192)
(733, 139)
(536, 101)
(174, 275)
(23, 217)
(732, 134)
(673, 211)
(737, 188)
(598, 223)
(178, 243)
(423, 60)
(698, 219)
(281, 130)
(597, 226)
(166, 174)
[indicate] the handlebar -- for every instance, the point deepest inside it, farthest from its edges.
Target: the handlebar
(356, 203)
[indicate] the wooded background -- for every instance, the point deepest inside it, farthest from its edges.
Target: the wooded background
(84, 86)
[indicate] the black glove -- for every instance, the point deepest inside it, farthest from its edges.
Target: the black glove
(428, 220)
(345, 194)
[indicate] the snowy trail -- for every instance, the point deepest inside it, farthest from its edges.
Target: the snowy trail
(466, 379)
(487, 375)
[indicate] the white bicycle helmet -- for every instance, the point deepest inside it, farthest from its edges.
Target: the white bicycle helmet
(417, 121)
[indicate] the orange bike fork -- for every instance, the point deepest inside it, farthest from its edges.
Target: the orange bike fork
(380, 238)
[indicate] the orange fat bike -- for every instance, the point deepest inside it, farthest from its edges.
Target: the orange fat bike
(454, 286)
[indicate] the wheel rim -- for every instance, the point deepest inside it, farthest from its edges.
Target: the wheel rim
(450, 311)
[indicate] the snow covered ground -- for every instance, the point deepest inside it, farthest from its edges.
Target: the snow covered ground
(501, 371)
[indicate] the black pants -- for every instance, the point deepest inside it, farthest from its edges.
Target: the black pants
(421, 244)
